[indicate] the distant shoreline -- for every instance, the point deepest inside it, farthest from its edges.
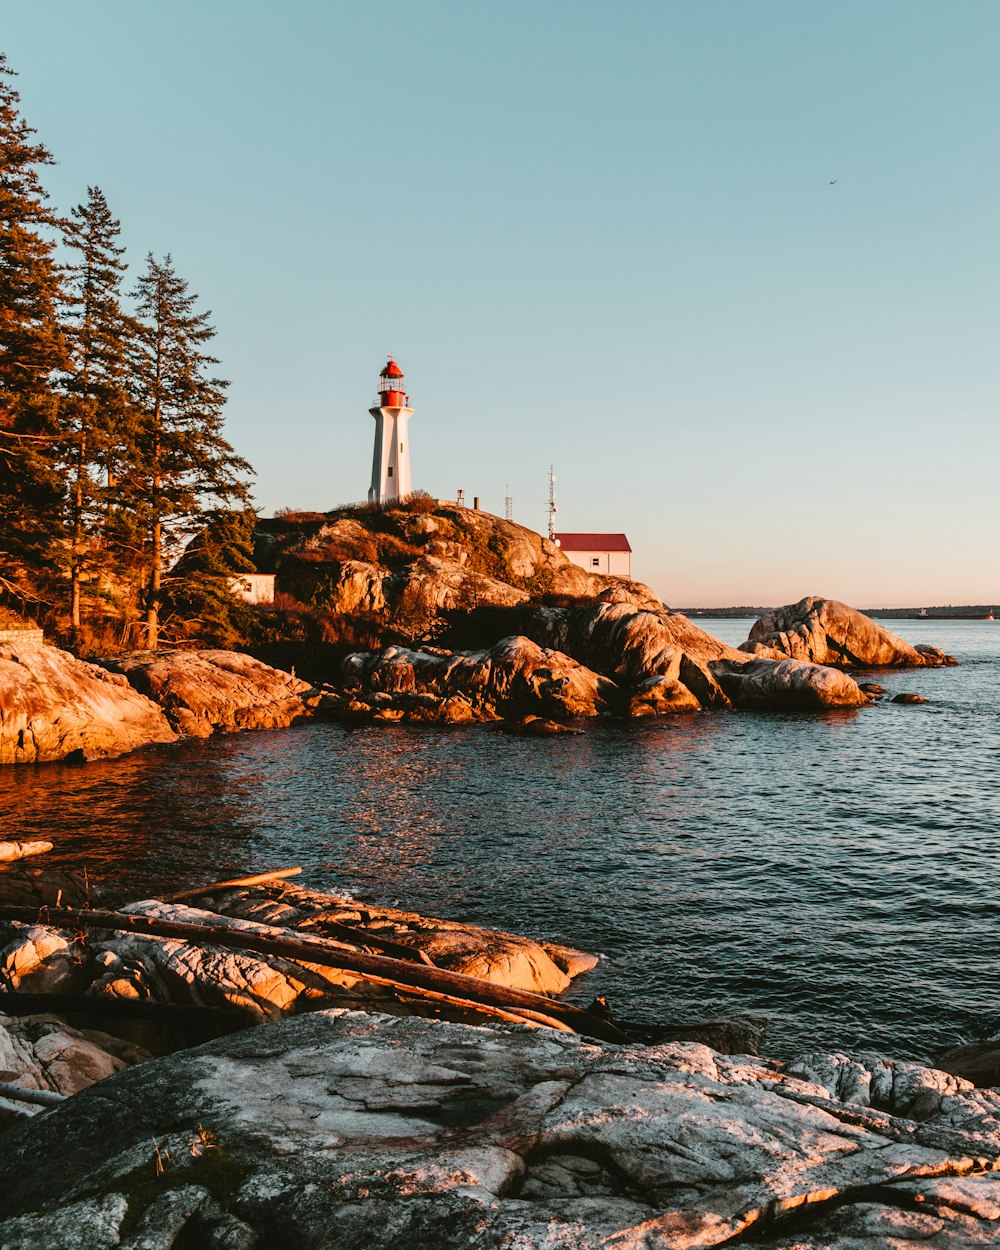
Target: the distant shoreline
(970, 612)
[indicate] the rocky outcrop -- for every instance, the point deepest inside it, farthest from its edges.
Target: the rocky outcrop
(515, 677)
(54, 706)
(631, 641)
(123, 979)
(415, 565)
(786, 685)
(183, 972)
(503, 958)
(616, 656)
(824, 631)
(204, 691)
(376, 1133)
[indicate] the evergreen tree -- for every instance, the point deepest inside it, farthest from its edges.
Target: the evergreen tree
(97, 404)
(32, 354)
(182, 462)
(201, 592)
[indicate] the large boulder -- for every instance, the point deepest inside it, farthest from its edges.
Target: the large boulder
(515, 677)
(204, 691)
(627, 638)
(824, 631)
(340, 1129)
(54, 706)
(786, 685)
(978, 1062)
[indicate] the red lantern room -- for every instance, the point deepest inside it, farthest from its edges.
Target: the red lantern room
(390, 387)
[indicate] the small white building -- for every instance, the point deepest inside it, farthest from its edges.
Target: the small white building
(598, 553)
(253, 587)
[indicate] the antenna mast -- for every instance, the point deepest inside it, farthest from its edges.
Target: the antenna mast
(552, 504)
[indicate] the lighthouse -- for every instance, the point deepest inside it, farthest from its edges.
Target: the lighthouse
(391, 461)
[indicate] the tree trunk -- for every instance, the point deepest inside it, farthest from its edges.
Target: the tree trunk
(153, 589)
(76, 567)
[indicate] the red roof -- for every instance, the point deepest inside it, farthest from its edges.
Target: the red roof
(392, 370)
(593, 542)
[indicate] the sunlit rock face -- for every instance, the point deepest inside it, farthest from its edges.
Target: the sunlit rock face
(625, 637)
(512, 678)
(824, 631)
(204, 691)
(339, 1129)
(503, 958)
(53, 705)
(409, 563)
(787, 685)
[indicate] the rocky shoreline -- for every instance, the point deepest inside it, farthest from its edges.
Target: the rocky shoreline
(375, 1119)
(616, 656)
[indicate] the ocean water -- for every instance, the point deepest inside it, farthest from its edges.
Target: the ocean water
(835, 875)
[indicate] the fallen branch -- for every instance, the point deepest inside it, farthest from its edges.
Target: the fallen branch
(412, 977)
(534, 1019)
(335, 928)
(260, 878)
(364, 937)
(41, 1097)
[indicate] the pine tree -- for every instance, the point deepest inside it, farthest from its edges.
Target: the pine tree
(97, 403)
(32, 354)
(182, 462)
(202, 593)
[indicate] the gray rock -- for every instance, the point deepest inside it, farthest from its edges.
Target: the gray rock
(372, 1133)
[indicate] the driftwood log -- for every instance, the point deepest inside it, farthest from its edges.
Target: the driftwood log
(413, 979)
(20, 1003)
(260, 878)
(40, 1097)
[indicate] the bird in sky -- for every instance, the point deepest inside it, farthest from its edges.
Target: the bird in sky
(831, 182)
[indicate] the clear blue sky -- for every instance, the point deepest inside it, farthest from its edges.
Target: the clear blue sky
(597, 235)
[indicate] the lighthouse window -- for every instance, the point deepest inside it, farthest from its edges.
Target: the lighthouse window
(400, 446)
(594, 560)
(389, 471)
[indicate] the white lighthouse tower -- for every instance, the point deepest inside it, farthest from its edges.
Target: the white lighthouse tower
(391, 461)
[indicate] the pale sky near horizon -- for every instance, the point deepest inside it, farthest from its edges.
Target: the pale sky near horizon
(731, 268)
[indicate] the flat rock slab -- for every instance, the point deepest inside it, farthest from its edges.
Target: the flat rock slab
(503, 958)
(204, 691)
(340, 1129)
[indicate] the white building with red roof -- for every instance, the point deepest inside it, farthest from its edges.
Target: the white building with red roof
(598, 553)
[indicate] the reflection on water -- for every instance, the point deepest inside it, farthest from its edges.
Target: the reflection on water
(834, 874)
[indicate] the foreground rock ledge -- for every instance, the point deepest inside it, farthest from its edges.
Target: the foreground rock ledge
(370, 1132)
